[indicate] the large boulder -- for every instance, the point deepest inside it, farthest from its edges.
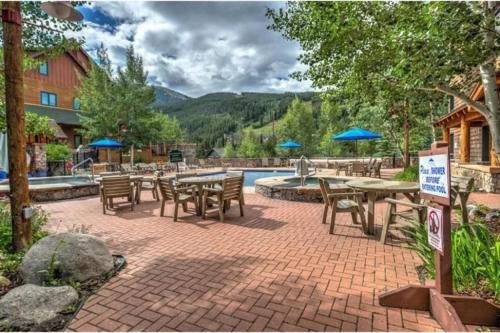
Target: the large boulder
(68, 257)
(34, 308)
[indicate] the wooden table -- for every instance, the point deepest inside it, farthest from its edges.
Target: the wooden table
(136, 180)
(373, 187)
(199, 182)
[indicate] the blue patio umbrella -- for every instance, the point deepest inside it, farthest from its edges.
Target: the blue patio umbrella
(290, 144)
(355, 134)
(106, 143)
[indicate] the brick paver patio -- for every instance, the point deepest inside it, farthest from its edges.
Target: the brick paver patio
(275, 269)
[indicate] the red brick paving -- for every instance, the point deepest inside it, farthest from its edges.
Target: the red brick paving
(276, 269)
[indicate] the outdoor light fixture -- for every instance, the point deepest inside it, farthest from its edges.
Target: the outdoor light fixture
(62, 10)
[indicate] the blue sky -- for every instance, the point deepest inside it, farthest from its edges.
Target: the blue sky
(197, 47)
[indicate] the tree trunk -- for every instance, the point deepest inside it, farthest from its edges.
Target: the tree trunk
(14, 106)
(432, 118)
(406, 156)
(489, 78)
(132, 155)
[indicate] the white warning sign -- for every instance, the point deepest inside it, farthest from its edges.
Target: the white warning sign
(435, 228)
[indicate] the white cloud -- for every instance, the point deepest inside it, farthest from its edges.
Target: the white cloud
(199, 47)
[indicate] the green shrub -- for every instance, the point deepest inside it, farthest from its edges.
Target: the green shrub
(409, 174)
(58, 152)
(475, 256)
(8, 260)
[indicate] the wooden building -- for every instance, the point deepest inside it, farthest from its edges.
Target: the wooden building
(468, 134)
(51, 89)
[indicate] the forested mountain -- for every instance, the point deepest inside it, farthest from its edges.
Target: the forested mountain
(210, 119)
(167, 97)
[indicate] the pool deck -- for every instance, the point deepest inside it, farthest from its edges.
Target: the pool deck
(277, 268)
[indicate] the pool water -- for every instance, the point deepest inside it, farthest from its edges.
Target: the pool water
(71, 180)
(250, 176)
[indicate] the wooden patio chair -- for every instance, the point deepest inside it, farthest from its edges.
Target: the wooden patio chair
(342, 202)
(398, 219)
(265, 162)
(232, 189)
(153, 185)
(277, 162)
(369, 168)
(341, 167)
(461, 187)
(376, 169)
(180, 195)
(357, 168)
(110, 173)
(116, 187)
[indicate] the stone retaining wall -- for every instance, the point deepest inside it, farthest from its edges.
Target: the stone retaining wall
(63, 193)
(486, 179)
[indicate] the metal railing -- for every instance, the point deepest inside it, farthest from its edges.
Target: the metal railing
(304, 161)
(82, 163)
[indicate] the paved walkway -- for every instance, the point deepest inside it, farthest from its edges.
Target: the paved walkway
(275, 269)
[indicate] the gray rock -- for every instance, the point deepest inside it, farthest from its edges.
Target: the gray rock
(475, 213)
(4, 282)
(34, 308)
(493, 216)
(471, 207)
(69, 257)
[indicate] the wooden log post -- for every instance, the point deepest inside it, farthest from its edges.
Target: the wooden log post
(464, 140)
(14, 107)
(493, 154)
(446, 135)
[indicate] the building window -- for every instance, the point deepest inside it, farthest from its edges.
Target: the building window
(47, 98)
(76, 104)
(77, 140)
(44, 69)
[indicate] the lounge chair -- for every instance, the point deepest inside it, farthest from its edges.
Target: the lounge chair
(341, 202)
(116, 187)
(232, 189)
(376, 169)
(265, 162)
(276, 162)
(180, 195)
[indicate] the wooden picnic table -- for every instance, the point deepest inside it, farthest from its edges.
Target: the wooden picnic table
(136, 180)
(374, 187)
(200, 182)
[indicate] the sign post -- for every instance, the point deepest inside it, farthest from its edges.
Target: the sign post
(175, 156)
(452, 312)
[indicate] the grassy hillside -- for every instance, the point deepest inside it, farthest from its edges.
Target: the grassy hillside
(207, 119)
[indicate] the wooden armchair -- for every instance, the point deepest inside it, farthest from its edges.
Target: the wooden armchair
(232, 189)
(357, 168)
(180, 195)
(461, 187)
(116, 187)
(342, 202)
(341, 167)
(370, 166)
(376, 169)
(416, 212)
(152, 185)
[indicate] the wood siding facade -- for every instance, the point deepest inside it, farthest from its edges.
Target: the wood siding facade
(63, 78)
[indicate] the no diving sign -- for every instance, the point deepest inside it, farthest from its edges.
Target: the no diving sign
(435, 228)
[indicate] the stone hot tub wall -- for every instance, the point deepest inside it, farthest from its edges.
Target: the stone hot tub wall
(486, 178)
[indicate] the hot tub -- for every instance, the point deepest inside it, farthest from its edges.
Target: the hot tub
(57, 188)
(289, 188)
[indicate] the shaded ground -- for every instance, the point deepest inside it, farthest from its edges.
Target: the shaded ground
(275, 269)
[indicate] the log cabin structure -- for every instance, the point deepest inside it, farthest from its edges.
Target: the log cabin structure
(51, 89)
(468, 134)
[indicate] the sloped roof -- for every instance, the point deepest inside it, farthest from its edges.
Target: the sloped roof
(60, 115)
(58, 132)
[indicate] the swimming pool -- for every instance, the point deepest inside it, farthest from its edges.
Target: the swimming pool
(250, 176)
